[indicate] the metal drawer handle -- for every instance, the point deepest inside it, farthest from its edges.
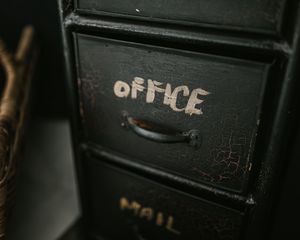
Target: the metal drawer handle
(161, 134)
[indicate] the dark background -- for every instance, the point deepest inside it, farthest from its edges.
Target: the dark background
(43, 15)
(49, 102)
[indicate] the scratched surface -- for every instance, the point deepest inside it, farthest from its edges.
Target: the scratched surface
(149, 208)
(227, 126)
(257, 15)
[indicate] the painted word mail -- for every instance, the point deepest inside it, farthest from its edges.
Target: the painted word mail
(124, 90)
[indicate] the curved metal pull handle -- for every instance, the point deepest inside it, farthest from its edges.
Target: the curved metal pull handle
(161, 134)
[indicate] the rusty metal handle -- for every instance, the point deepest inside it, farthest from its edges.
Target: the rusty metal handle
(156, 133)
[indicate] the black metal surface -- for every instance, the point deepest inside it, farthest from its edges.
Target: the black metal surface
(287, 210)
(217, 195)
(278, 149)
(227, 125)
(275, 127)
(250, 45)
(130, 207)
(259, 15)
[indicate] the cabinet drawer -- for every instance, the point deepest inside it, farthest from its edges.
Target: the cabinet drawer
(124, 206)
(200, 111)
(255, 15)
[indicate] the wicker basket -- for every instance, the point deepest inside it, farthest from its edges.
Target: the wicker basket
(17, 70)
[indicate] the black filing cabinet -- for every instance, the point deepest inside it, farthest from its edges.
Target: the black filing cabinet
(181, 113)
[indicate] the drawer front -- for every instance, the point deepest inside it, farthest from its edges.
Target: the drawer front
(255, 15)
(124, 206)
(174, 92)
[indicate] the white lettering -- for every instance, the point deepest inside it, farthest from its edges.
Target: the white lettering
(137, 86)
(194, 100)
(174, 95)
(121, 89)
(152, 87)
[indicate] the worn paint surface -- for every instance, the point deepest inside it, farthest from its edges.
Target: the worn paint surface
(180, 90)
(135, 208)
(255, 15)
